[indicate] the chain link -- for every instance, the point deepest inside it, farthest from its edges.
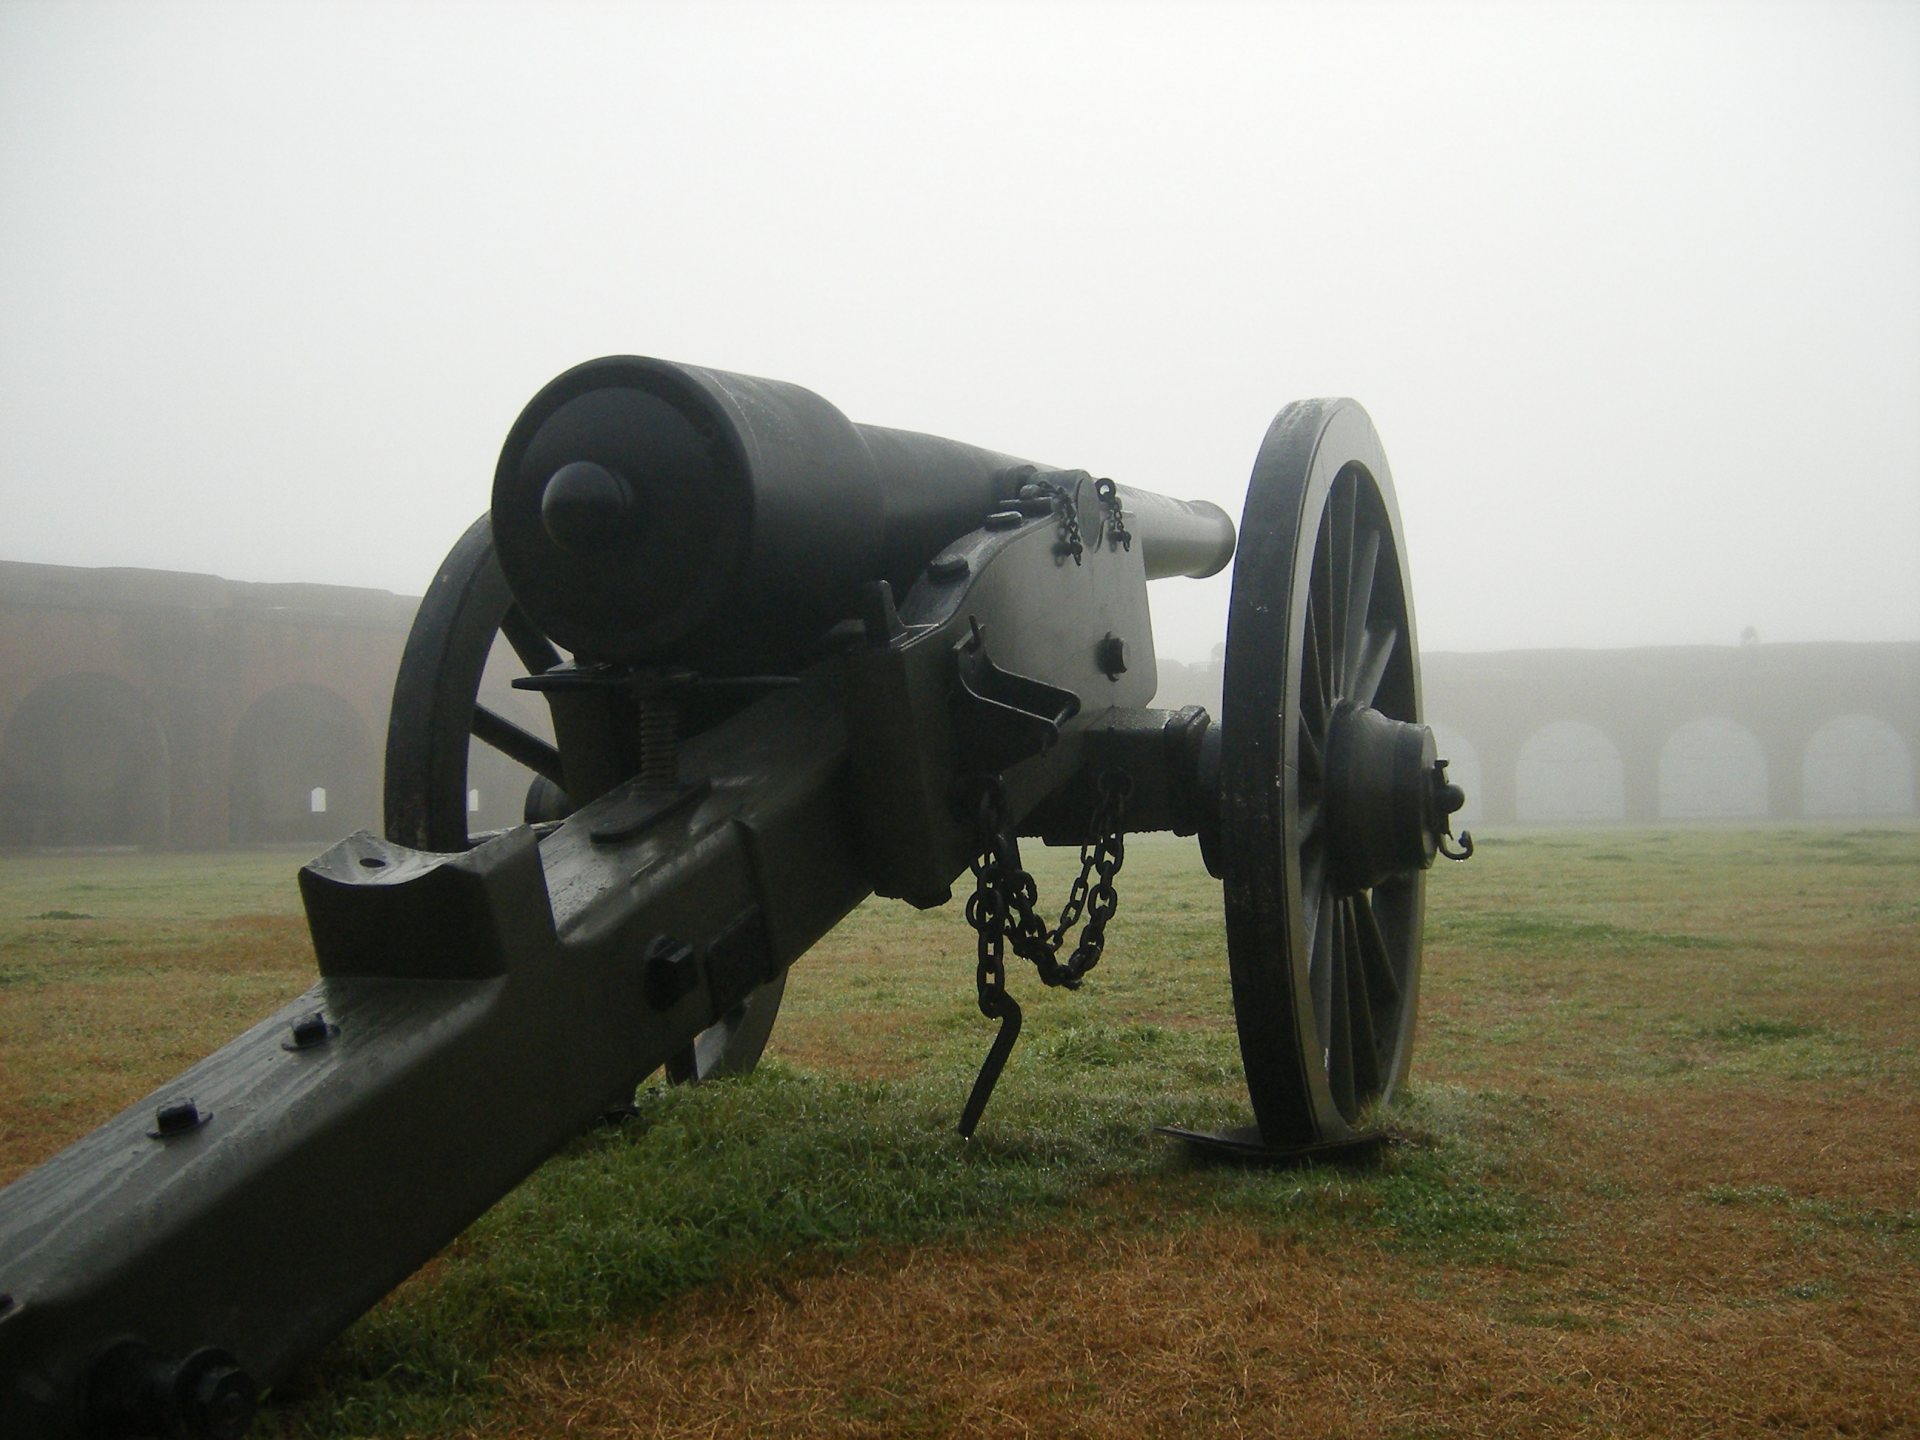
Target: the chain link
(994, 859)
(1004, 907)
(1114, 519)
(1065, 501)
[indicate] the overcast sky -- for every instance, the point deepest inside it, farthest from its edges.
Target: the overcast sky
(1631, 292)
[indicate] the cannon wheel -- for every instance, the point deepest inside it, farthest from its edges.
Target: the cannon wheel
(436, 713)
(1323, 941)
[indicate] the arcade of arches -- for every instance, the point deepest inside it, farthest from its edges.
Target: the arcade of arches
(1750, 732)
(145, 708)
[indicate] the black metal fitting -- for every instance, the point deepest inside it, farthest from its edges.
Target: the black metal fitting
(949, 567)
(178, 1117)
(1111, 657)
(1448, 800)
(1005, 520)
(131, 1391)
(310, 1032)
(1379, 798)
(879, 616)
(673, 971)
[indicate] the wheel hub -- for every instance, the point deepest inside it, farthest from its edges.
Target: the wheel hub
(1387, 797)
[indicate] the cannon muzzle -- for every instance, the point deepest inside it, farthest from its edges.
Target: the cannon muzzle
(646, 511)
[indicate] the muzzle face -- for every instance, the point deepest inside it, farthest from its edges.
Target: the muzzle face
(619, 507)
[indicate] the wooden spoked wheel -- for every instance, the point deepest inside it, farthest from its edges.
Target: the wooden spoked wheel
(1328, 806)
(437, 714)
(439, 731)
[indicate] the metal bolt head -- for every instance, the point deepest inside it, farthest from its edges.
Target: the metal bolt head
(177, 1117)
(214, 1396)
(1005, 520)
(309, 1031)
(949, 567)
(1112, 657)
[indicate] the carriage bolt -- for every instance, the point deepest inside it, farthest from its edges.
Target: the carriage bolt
(309, 1031)
(213, 1397)
(949, 567)
(1005, 520)
(178, 1117)
(131, 1390)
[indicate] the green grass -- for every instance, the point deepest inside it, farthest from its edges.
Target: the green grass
(1585, 997)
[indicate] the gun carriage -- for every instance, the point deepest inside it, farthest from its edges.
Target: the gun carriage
(790, 661)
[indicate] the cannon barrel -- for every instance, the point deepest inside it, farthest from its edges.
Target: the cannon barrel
(647, 511)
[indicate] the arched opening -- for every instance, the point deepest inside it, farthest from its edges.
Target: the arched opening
(1713, 769)
(302, 769)
(1569, 772)
(1463, 769)
(83, 762)
(1857, 765)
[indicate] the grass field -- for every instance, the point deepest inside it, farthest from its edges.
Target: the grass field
(1658, 1172)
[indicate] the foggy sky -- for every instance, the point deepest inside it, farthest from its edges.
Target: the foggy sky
(1632, 293)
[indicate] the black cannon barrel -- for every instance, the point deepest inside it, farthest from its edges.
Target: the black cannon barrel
(650, 511)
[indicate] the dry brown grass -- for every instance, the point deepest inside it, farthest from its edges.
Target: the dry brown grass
(1732, 1246)
(1228, 1330)
(112, 1010)
(1726, 1241)
(1661, 1313)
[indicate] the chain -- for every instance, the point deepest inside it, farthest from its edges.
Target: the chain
(1003, 907)
(995, 859)
(1005, 904)
(1114, 521)
(1064, 506)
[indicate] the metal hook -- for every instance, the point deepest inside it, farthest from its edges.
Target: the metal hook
(990, 1069)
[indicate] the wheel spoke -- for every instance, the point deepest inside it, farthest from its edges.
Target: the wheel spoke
(1313, 879)
(1340, 1019)
(1312, 763)
(1366, 553)
(492, 728)
(1337, 537)
(1309, 821)
(1370, 667)
(1314, 700)
(536, 652)
(1320, 969)
(1366, 1048)
(1395, 907)
(1320, 600)
(1382, 982)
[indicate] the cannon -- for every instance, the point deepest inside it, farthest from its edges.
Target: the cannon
(789, 662)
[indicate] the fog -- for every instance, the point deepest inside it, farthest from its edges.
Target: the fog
(1632, 293)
